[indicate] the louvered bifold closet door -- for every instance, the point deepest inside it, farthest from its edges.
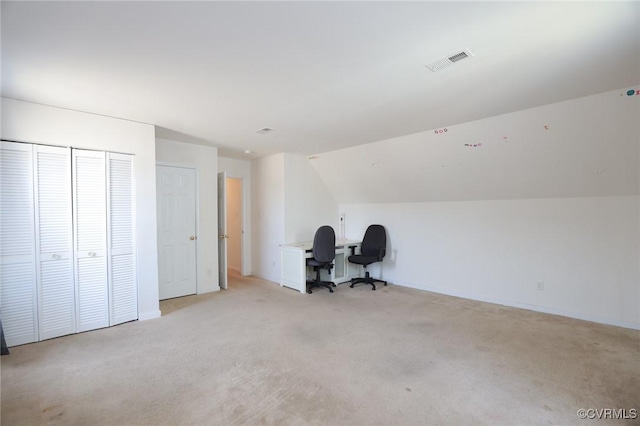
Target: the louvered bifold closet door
(56, 289)
(121, 241)
(90, 239)
(18, 301)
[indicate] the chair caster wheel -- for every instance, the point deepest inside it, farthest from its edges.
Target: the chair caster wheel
(309, 291)
(351, 286)
(373, 289)
(330, 290)
(385, 284)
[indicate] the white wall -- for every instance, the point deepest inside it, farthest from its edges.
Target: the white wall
(308, 202)
(241, 169)
(585, 251)
(290, 202)
(235, 168)
(205, 160)
(267, 216)
(27, 122)
(558, 206)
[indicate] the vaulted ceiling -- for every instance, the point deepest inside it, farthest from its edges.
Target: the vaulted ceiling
(322, 75)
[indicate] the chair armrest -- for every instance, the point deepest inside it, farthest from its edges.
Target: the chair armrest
(383, 252)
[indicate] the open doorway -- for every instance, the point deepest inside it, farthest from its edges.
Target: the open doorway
(234, 226)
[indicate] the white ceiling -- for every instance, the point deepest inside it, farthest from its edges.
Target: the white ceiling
(323, 75)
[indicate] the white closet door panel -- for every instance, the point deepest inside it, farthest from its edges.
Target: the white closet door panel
(57, 298)
(121, 202)
(17, 250)
(56, 289)
(19, 303)
(92, 294)
(121, 241)
(124, 292)
(16, 182)
(90, 201)
(90, 239)
(53, 199)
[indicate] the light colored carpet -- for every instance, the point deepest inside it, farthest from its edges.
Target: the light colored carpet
(261, 354)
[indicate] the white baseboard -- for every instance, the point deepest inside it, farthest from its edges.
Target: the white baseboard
(514, 304)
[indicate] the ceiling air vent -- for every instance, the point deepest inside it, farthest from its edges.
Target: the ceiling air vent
(445, 62)
(264, 130)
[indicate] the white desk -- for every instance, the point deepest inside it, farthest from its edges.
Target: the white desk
(294, 264)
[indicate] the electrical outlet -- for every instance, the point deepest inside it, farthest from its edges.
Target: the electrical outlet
(540, 285)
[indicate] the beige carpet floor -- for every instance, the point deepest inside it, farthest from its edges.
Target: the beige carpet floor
(261, 354)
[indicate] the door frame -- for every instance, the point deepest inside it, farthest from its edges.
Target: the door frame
(242, 223)
(223, 264)
(244, 243)
(197, 184)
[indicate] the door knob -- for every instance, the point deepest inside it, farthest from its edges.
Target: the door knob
(192, 238)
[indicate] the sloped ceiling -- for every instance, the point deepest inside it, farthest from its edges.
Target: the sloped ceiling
(323, 75)
(586, 147)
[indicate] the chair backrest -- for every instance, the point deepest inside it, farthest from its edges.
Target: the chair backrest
(324, 244)
(375, 239)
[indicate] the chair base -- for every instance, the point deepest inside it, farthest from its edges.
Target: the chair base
(325, 284)
(367, 280)
(318, 283)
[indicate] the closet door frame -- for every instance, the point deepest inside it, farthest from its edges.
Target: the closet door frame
(46, 234)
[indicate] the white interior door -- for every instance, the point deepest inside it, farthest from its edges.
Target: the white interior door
(222, 229)
(176, 203)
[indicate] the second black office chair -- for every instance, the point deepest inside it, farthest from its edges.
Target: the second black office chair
(323, 251)
(373, 249)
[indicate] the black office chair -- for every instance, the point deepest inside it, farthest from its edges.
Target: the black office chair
(373, 249)
(324, 251)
